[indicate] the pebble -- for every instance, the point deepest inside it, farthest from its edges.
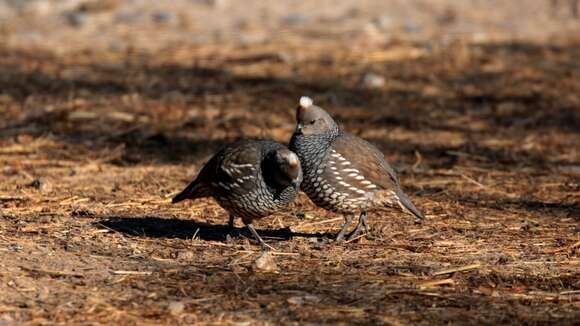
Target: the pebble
(175, 307)
(76, 19)
(185, 255)
(41, 185)
(265, 263)
(295, 19)
(215, 4)
(128, 17)
(372, 81)
(301, 300)
(164, 17)
(383, 22)
(412, 28)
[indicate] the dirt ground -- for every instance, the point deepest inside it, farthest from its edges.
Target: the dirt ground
(484, 134)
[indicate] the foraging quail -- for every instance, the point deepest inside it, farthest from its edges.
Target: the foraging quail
(250, 179)
(343, 173)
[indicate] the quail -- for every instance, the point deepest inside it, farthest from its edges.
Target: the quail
(250, 179)
(343, 173)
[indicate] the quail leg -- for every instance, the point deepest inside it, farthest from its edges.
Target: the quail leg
(229, 235)
(362, 223)
(257, 236)
(347, 222)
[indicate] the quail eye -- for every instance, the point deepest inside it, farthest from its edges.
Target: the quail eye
(312, 122)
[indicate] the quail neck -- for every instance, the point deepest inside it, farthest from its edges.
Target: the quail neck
(313, 137)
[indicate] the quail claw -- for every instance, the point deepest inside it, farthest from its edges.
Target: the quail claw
(265, 246)
(347, 222)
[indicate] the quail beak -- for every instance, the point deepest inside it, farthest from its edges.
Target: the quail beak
(298, 129)
(296, 184)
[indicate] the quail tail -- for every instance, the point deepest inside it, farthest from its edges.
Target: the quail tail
(193, 190)
(408, 205)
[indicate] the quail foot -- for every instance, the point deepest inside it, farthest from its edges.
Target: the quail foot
(250, 179)
(343, 173)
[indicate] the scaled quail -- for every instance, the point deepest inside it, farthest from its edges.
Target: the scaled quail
(343, 173)
(250, 179)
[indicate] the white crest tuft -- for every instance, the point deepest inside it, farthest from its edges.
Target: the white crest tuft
(306, 102)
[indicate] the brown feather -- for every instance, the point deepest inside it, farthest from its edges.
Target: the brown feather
(368, 160)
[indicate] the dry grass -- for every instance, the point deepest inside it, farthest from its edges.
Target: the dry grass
(485, 138)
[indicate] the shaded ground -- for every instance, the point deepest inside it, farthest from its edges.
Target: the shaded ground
(485, 138)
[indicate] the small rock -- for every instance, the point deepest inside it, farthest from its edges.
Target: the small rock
(383, 22)
(372, 81)
(164, 17)
(295, 19)
(448, 17)
(184, 255)
(43, 186)
(313, 240)
(215, 4)
(98, 6)
(298, 301)
(116, 187)
(35, 184)
(76, 19)
(353, 12)
(301, 300)
(128, 17)
(175, 307)
(265, 263)
(80, 212)
(15, 247)
(371, 33)
(412, 28)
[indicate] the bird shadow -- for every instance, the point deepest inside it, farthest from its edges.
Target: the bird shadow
(156, 227)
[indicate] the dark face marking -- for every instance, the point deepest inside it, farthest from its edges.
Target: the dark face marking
(286, 169)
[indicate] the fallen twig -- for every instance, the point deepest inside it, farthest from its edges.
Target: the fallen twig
(565, 248)
(317, 223)
(435, 283)
(50, 273)
(457, 269)
(472, 181)
(131, 273)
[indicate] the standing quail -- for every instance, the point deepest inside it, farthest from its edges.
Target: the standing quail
(343, 173)
(250, 179)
